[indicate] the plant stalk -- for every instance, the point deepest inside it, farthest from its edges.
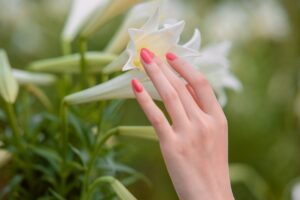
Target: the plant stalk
(83, 63)
(64, 144)
(13, 123)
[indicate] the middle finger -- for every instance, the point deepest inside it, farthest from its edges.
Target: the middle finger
(165, 89)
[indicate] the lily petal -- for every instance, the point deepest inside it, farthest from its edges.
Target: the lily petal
(70, 64)
(24, 77)
(137, 16)
(8, 84)
(195, 41)
(81, 11)
(117, 64)
(108, 12)
(107, 90)
(153, 22)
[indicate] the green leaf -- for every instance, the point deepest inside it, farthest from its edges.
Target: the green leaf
(81, 155)
(8, 84)
(117, 186)
(56, 195)
(112, 167)
(40, 95)
(13, 183)
(243, 174)
(71, 64)
(48, 154)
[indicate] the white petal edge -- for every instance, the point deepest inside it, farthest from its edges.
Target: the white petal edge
(195, 41)
(102, 91)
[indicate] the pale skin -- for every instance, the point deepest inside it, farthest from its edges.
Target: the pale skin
(194, 146)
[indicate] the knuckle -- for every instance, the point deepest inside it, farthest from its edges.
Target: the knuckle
(170, 96)
(207, 129)
(178, 84)
(184, 64)
(158, 119)
(200, 80)
(153, 70)
(179, 147)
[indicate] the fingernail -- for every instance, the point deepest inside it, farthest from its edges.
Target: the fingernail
(171, 56)
(147, 55)
(136, 85)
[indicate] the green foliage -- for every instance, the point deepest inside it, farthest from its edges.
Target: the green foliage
(83, 150)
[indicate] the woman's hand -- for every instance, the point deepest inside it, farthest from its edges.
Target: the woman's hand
(195, 146)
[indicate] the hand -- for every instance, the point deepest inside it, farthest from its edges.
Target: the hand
(195, 146)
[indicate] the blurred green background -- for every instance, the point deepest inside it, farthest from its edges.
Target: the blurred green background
(263, 118)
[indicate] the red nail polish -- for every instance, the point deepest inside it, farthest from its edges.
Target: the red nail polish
(171, 56)
(147, 55)
(136, 85)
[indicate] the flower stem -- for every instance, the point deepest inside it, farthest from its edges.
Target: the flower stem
(64, 144)
(95, 150)
(64, 138)
(83, 67)
(66, 47)
(13, 123)
(66, 78)
(100, 141)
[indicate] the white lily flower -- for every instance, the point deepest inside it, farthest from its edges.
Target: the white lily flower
(109, 10)
(25, 77)
(80, 13)
(88, 15)
(138, 16)
(212, 61)
(8, 85)
(158, 39)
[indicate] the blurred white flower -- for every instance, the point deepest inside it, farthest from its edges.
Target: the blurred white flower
(86, 16)
(13, 11)
(214, 64)
(212, 61)
(296, 192)
(109, 11)
(8, 85)
(269, 20)
(28, 37)
(55, 8)
(25, 77)
(241, 21)
(80, 13)
(228, 21)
